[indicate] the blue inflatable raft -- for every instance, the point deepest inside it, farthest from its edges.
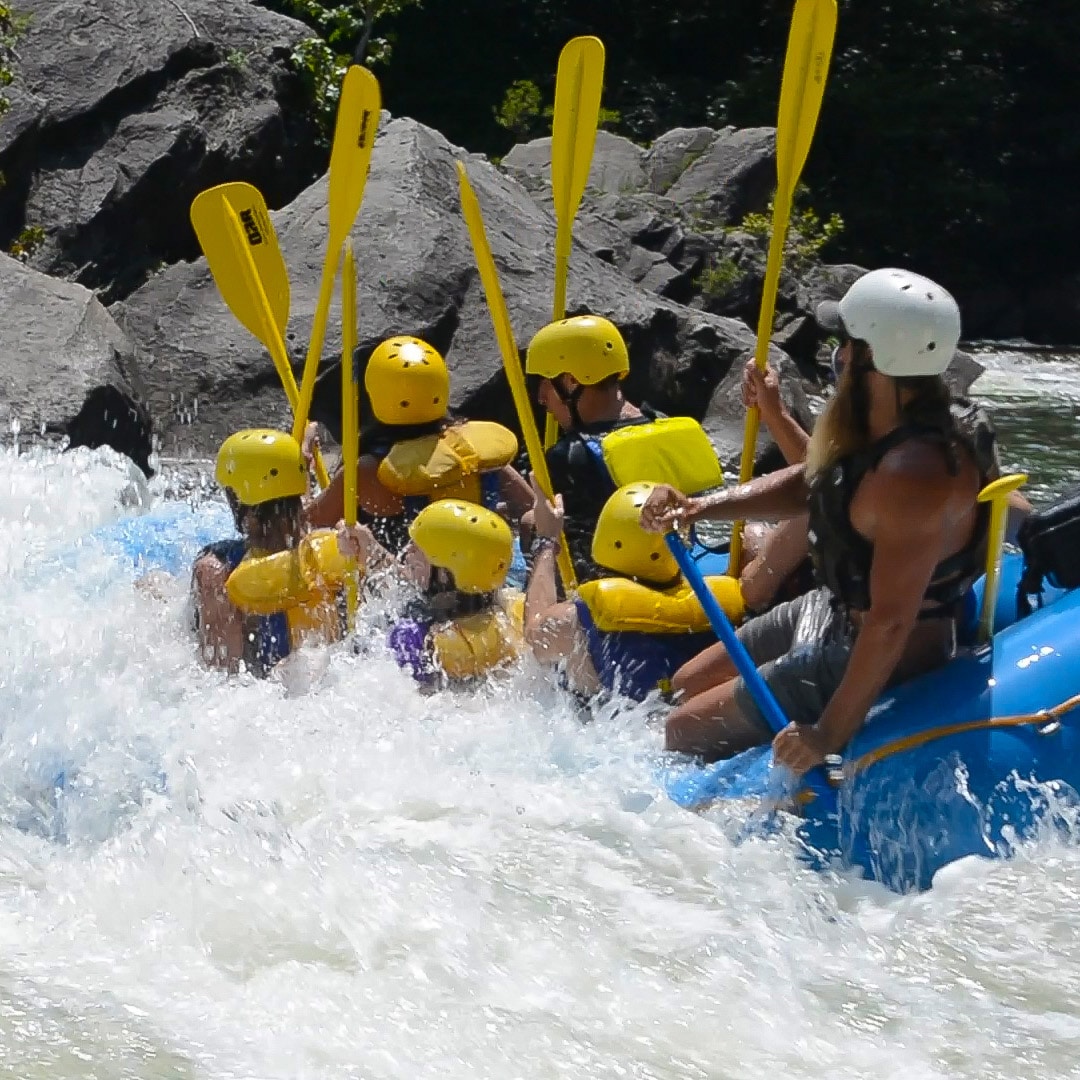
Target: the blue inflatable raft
(967, 760)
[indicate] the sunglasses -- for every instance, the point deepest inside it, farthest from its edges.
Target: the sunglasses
(836, 361)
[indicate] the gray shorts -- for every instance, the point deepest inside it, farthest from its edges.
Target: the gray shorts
(801, 648)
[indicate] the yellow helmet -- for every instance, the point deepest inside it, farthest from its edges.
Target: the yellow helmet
(407, 382)
(622, 545)
(262, 464)
(470, 541)
(587, 347)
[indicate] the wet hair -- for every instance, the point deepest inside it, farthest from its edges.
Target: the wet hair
(377, 437)
(441, 601)
(286, 513)
(928, 406)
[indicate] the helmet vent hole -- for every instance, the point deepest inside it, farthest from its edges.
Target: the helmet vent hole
(931, 346)
(904, 288)
(435, 400)
(654, 556)
(618, 544)
(609, 345)
(273, 472)
(404, 404)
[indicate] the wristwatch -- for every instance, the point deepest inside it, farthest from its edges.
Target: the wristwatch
(540, 543)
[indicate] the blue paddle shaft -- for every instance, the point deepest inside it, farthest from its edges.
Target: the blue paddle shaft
(723, 629)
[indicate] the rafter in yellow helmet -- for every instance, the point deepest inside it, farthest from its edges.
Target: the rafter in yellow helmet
(622, 545)
(470, 541)
(407, 382)
(588, 347)
(260, 465)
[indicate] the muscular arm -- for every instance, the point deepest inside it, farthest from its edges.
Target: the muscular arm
(219, 624)
(908, 514)
(514, 490)
(551, 627)
(327, 508)
(781, 494)
(787, 434)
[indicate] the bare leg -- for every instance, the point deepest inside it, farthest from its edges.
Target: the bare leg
(706, 670)
(783, 549)
(711, 725)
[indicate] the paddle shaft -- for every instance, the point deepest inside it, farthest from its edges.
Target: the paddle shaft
(578, 86)
(350, 160)
(806, 64)
(350, 419)
(515, 377)
(271, 335)
(997, 494)
(721, 625)
(318, 339)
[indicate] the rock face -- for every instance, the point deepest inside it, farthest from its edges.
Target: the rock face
(123, 110)
(67, 367)
(417, 276)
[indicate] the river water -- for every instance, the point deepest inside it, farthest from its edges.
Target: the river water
(336, 877)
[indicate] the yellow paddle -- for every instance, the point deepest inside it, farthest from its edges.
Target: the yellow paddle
(996, 494)
(350, 158)
(504, 333)
(810, 41)
(578, 84)
(242, 251)
(350, 419)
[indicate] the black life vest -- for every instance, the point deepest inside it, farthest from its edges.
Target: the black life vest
(842, 556)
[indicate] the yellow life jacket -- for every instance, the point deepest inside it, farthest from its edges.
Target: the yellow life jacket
(304, 583)
(669, 450)
(619, 604)
(448, 465)
(473, 645)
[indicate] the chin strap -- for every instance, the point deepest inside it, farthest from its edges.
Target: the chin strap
(570, 399)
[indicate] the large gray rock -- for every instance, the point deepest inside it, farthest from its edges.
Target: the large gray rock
(734, 176)
(123, 110)
(418, 276)
(618, 165)
(674, 152)
(67, 368)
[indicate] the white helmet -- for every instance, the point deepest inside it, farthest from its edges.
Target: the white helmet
(911, 323)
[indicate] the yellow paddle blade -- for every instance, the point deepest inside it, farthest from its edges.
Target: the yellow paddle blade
(806, 67)
(239, 243)
(997, 494)
(209, 219)
(350, 160)
(504, 334)
(350, 434)
(578, 85)
(350, 437)
(350, 155)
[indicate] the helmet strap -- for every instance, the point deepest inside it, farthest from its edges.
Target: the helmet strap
(570, 399)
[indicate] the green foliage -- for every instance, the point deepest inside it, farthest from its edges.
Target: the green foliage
(521, 110)
(346, 34)
(719, 279)
(12, 26)
(807, 233)
(27, 242)
(523, 113)
(947, 137)
(323, 70)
